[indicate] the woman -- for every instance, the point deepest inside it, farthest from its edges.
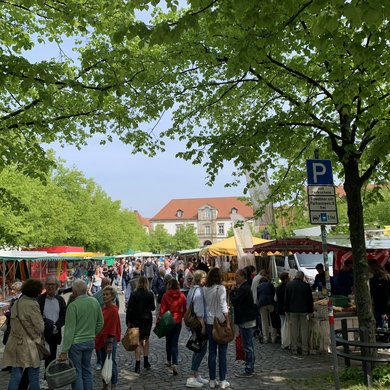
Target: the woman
(107, 339)
(139, 315)
(195, 296)
(216, 306)
(174, 301)
(96, 282)
(188, 276)
(26, 330)
(380, 290)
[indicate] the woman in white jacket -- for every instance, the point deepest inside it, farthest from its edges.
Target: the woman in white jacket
(216, 306)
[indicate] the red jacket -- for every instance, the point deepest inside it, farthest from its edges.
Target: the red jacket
(111, 327)
(175, 302)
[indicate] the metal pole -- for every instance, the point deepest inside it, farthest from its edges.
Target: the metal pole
(330, 302)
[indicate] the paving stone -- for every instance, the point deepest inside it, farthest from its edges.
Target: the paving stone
(274, 367)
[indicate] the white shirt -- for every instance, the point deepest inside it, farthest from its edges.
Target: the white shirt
(216, 305)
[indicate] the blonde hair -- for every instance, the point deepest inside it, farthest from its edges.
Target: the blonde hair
(198, 276)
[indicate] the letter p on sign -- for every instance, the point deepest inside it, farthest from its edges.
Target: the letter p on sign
(319, 172)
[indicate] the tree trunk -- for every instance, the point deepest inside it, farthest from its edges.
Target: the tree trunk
(353, 188)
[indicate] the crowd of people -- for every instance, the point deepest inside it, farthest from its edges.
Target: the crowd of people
(89, 322)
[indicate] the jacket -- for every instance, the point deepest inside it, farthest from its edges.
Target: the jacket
(280, 292)
(157, 284)
(265, 293)
(175, 302)
(140, 306)
(243, 305)
(21, 350)
(298, 297)
(61, 319)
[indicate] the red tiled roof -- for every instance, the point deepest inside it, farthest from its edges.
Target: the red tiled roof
(190, 208)
(142, 220)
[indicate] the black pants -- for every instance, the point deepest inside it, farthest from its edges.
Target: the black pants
(53, 344)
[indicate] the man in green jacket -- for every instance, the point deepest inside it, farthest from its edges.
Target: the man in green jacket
(83, 322)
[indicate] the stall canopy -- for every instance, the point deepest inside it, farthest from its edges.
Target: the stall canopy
(306, 245)
(227, 247)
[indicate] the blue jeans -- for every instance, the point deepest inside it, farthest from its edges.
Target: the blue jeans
(212, 361)
(81, 354)
(197, 358)
(16, 376)
(103, 354)
(172, 344)
(247, 344)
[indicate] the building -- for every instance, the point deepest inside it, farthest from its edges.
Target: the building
(209, 216)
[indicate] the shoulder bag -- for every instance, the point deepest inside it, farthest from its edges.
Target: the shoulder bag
(221, 333)
(190, 318)
(43, 352)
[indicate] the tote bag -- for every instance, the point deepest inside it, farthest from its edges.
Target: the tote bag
(107, 369)
(130, 340)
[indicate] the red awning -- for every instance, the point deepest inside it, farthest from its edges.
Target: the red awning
(306, 245)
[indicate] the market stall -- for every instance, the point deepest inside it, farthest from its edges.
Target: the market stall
(343, 307)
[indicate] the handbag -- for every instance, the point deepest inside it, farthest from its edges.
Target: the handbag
(196, 342)
(107, 368)
(43, 352)
(130, 340)
(165, 325)
(190, 318)
(221, 333)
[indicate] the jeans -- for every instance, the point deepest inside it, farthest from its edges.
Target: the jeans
(16, 376)
(247, 344)
(81, 354)
(197, 358)
(172, 344)
(222, 350)
(103, 354)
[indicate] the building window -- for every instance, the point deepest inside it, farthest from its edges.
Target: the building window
(207, 213)
(178, 226)
(221, 228)
(207, 229)
(179, 213)
(234, 210)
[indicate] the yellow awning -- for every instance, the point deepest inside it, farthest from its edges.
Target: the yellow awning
(227, 247)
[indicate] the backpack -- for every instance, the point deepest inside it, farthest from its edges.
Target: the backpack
(149, 271)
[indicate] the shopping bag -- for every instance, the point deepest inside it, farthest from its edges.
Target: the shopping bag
(107, 369)
(165, 325)
(240, 354)
(130, 340)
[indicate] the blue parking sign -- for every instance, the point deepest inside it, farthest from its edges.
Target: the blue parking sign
(319, 172)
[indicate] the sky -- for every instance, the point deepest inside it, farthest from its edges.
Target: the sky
(142, 183)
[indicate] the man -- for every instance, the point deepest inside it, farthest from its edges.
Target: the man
(280, 293)
(83, 322)
(344, 279)
(319, 280)
(158, 282)
(298, 305)
(53, 309)
(245, 317)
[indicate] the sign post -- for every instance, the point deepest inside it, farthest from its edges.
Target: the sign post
(323, 211)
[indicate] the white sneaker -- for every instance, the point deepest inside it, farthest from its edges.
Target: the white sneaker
(213, 384)
(201, 380)
(225, 384)
(192, 382)
(43, 384)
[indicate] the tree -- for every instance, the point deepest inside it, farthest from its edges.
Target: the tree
(161, 241)
(186, 237)
(270, 82)
(66, 99)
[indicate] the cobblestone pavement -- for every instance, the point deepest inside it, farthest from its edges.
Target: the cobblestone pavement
(274, 368)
